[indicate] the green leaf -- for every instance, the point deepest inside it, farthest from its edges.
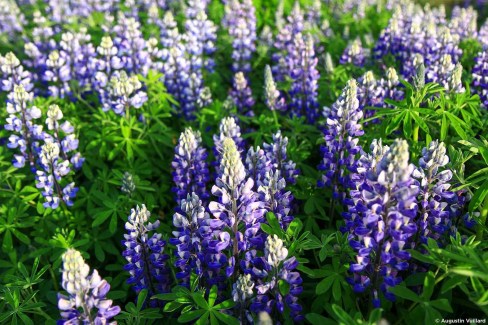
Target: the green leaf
(200, 300)
(442, 304)
(141, 298)
(212, 296)
(405, 293)
(342, 315)
(191, 315)
(324, 285)
(226, 319)
(429, 283)
(478, 196)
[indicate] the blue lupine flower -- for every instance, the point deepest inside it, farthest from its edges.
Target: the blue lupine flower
(54, 167)
(276, 152)
(274, 100)
(304, 73)
(190, 169)
(436, 201)
(191, 222)
(369, 94)
(391, 87)
(228, 129)
(284, 43)
(12, 20)
(463, 22)
(480, 77)
(241, 95)
(13, 73)
(342, 134)
(85, 302)
(21, 123)
(145, 254)
(237, 215)
(240, 20)
(124, 93)
(354, 54)
(268, 271)
(381, 219)
(454, 83)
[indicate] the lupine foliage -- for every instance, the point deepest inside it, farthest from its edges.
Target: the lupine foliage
(243, 161)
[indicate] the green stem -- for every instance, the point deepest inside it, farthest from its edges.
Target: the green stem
(275, 116)
(416, 133)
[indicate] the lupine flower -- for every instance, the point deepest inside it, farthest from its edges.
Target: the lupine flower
(279, 201)
(454, 83)
(354, 54)
(58, 74)
(243, 289)
(191, 222)
(242, 95)
(190, 169)
(54, 167)
(390, 87)
(274, 101)
(329, 64)
(437, 203)
(276, 153)
(341, 141)
(132, 47)
(284, 43)
(124, 92)
(381, 220)
(240, 19)
(145, 254)
(369, 94)
(269, 270)
(85, 302)
(304, 73)
(11, 18)
(480, 77)
(128, 185)
(21, 123)
(13, 73)
(238, 209)
(228, 129)
(463, 22)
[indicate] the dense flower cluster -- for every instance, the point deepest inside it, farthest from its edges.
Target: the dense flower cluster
(190, 169)
(85, 302)
(145, 254)
(381, 218)
(342, 134)
(50, 153)
(240, 19)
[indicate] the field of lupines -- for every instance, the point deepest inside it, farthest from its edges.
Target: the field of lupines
(243, 161)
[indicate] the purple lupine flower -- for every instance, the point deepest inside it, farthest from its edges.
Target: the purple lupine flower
(145, 254)
(278, 158)
(480, 77)
(463, 22)
(190, 169)
(201, 35)
(268, 271)
(124, 93)
(483, 35)
(240, 20)
(454, 84)
(381, 219)
(284, 43)
(369, 94)
(191, 222)
(13, 73)
(48, 178)
(257, 164)
(128, 185)
(85, 302)
(304, 73)
(80, 55)
(237, 216)
(273, 98)
(391, 39)
(21, 123)
(354, 54)
(390, 87)
(435, 200)
(341, 133)
(131, 46)
(69, 143)
(279, 201)
(58, 74)
(12, 20)
(228, 129)
(440, 71)
(241, 95)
